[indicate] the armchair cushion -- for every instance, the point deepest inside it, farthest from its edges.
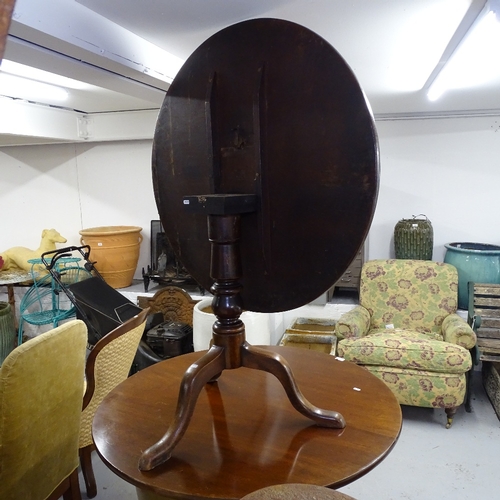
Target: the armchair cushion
(422, 388)
(406, 349)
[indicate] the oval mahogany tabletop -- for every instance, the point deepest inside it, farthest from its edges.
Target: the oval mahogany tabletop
(244, 434)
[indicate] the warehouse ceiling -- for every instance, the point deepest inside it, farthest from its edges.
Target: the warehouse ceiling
(125, 52)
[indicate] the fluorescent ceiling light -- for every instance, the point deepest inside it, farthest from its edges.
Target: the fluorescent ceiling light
(474, 58)
(30, 90)
(39, 75)
(24, 82)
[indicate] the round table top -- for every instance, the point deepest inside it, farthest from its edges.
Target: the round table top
(244, 434)
(13, 277)
(267, 107)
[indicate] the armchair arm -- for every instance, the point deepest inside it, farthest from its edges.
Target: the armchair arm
(456, 331)
(353, 324)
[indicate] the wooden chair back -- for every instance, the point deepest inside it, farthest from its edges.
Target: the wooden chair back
(108, 364)
(174, 303)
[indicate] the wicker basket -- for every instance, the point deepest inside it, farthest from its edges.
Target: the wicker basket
(414, 238)
(7, 330)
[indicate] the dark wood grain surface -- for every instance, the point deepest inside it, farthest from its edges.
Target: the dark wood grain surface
(268, 108)
(244, 434)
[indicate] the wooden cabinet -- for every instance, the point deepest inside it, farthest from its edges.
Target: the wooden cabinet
(351, 277)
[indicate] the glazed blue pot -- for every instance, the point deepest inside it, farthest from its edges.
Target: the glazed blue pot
(477, 262)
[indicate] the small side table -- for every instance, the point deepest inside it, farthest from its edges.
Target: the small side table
(10, 279)
(10, 326)
(233, 445)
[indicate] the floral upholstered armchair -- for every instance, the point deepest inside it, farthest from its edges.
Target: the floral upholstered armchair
(406, 332)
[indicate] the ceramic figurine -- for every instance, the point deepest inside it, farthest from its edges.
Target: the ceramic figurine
(16, 258)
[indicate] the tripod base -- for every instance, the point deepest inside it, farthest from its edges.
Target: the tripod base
(207, 369)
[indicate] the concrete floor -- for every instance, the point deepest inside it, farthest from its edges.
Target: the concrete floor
(427, 462)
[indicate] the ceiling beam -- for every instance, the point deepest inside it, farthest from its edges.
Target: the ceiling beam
(35, 56)
(25, 123)
(64, 27)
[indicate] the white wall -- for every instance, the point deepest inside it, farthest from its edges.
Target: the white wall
(75, 186)
(447, 169)
(444, 168)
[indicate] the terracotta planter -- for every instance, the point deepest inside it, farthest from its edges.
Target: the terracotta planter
(115, 250)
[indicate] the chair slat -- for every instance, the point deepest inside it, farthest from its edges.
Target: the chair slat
(487, 289)
(487, 313)
(486, 301)
(490, 345)
(492, 333)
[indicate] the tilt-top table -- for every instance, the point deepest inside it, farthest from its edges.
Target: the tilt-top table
(265, 174)
(244, 434)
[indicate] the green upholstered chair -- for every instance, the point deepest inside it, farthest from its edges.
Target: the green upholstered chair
(41, 389)
(108, 364)
(294, 491)
(406, 332)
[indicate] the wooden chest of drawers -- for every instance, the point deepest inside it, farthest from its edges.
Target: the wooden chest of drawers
(351, 277)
